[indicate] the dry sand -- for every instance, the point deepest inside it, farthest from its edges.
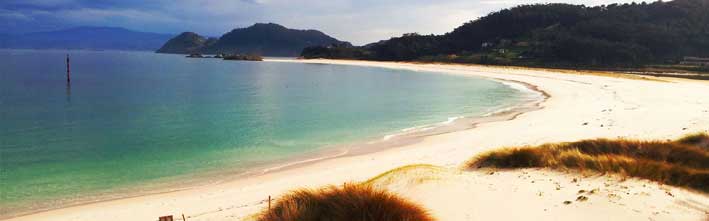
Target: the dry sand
(580, 106)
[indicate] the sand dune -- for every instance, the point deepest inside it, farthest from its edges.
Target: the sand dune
(536, 194)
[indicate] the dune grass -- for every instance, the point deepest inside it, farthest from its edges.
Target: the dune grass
(696, 139)
(684, 162)
(398, 170)
(350, 202)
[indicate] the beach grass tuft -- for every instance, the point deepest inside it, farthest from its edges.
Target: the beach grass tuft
(348, 202)
(698, 139)
(684, 162)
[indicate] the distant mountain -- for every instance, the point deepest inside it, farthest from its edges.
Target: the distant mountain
(111, 38)
(262, 39)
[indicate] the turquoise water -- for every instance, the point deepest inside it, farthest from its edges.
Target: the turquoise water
(138, 118)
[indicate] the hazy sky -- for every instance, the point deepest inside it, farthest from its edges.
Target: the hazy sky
(357, 21)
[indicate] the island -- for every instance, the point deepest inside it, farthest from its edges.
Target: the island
(267, 39)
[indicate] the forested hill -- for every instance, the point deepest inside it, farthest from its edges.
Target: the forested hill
(263, 39)
(556, 34)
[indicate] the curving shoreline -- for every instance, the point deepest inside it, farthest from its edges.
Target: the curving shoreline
(529, 101)
(418, 133)
(532, 98)
(574, 100)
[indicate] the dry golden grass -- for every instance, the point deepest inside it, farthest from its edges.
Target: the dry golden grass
(401, 170)
(349, 202)
(696, 139)
(684, 162)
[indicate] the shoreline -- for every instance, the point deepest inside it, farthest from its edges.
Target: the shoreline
(392, 139)
(417, 133)
(240, 198)
(531, 101)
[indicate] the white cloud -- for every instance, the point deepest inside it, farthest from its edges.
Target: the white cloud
(13, 16)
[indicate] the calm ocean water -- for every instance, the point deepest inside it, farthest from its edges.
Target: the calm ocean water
(138, 118)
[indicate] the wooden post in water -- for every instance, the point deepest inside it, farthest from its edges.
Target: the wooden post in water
(269, 202)
(183, 217)
(68, 70)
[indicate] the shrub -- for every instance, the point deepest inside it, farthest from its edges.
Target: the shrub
(349, 202)
(684, 162)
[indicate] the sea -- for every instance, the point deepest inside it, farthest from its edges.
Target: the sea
(132, 123)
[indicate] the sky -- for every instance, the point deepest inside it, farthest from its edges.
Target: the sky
(357, 21)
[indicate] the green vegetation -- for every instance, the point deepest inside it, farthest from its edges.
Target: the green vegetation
(238, 57)
(186, 43)
(336, 51)
(557, 35)
(684, 162)
(349, 202)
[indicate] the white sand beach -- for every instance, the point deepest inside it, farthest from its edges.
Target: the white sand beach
(580, 106)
